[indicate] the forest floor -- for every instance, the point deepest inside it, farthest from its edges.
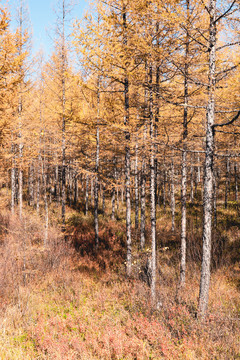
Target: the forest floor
(65, 301)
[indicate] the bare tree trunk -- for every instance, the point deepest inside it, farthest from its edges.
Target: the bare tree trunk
(143, 170)
(236, 181)
(56, 183)
(208, 167)
(103, 198)
(152, 191)
(199, 170)
(96, 187)
(30, 185)
(136, 187)
(195, 181)
(75, 187)
(38, 182)
(184, 165)
(192, 181)
(143, 196)
(164, 185)
(92, 190)
(13, 180)
(113, 203)
(114, 191)
(63, 99)
(45, 194)
(215, 188)
(70, 183)
(117, 199)
(20, 177)
(183, 219)
(86, 195)
(227, 182)
(172, 195)
(20, 109)
(127, 154)
(16, 185)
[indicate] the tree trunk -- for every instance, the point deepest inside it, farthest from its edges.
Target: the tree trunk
(143, 170)
(75, 188)
(86, 195)
(183, 219)
(152, 191)
(96, 187)
(215, 188)
(227, 182)
(103, 198)
(38, 182)
(13, 180)
(184, 166)
(30, 185)
(192, 181)
(143, 196)
(127, 154)
(63, 99)
(208, 168)
(92, 191)
(164, 185)
(236, 181)
(172, 196)
(136, 188)
(114, 191)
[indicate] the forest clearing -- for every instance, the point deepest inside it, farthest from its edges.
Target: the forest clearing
(119, 182)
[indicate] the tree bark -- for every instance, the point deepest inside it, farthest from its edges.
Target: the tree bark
(13, 179)
(208, 167)
(86, 195)
(114, 190)
(184, 165)
(227, 182)
(215, 188)
(172, 195)
(96, 187)
(127, 154)
(152, 191)
(236, 181)
(143, 195)
(136, 188)
(103, 198)
(192, 181)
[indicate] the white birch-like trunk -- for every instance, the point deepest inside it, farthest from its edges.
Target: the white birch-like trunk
(236, 181)
(96, 183)
(86, 195)
(172, 196)
(136, 187)
(184, 165)
(152, 191)
(208, 167)
(215, 188)
(13, 179)
(227, 182)
(127, 155)
(143, 195)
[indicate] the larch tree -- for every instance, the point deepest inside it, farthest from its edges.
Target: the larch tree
(215, 17)
(23, 47)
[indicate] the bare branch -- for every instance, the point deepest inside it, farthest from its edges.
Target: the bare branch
(226, 12)
(229, 122)
(228, 44)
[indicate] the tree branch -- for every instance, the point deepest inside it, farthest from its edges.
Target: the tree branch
(227, 123)
(225, 13)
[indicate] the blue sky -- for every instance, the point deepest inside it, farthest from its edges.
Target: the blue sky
(43, 19)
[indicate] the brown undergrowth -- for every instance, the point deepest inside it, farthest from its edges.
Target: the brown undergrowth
(66, 301)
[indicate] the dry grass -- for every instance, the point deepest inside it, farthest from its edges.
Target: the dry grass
(65, 302)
